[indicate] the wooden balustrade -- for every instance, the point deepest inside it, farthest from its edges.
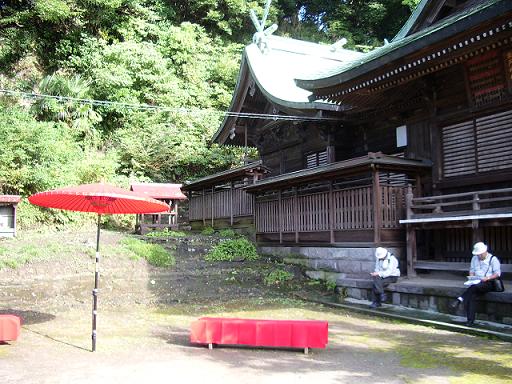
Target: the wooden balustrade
(459, 206)
(351, 208)
(475, 211)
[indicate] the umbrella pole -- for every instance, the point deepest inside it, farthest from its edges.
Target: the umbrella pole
(95, 291)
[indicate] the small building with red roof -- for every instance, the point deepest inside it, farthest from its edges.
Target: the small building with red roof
(8, 205)
(168, 193)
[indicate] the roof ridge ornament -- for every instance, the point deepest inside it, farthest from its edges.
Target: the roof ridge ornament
(338, 45)
(260, 36)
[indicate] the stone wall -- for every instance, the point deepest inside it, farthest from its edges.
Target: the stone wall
(331, 261)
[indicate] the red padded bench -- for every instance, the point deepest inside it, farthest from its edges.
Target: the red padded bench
(10, 326)
(302, 334)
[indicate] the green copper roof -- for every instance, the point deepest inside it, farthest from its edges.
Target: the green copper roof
(398, 48)
(411, 21)
(275, 71)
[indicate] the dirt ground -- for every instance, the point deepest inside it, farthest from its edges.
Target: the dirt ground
(145, 314)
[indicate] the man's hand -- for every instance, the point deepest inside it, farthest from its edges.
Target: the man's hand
(374, 273)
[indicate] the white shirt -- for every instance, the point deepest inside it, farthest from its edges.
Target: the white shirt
(387, 266)
(481, 268)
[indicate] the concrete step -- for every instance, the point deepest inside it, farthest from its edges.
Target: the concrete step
(416, 316)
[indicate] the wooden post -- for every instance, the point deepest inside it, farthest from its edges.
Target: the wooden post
(280, 213)
(231, 203)
(203, 209)
(410, 235)
(176, 213)
(476, 230)
(331, 212)
(213, 190)
(14, 218)
(377, 206)
(296, 214)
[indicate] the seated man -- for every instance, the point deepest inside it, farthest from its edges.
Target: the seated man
(386, 272)
(486, 267)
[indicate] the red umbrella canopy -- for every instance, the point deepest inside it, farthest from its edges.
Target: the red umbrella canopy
(100, 198)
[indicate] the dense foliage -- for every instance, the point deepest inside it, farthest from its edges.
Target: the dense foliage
(233, 250)
(180, 55)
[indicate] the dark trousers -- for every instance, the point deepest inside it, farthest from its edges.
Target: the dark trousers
(471, 294)
(378, 286)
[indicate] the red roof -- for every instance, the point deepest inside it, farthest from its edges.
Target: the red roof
(10, 199)
(159, 190)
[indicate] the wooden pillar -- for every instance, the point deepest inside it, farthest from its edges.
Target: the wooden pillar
(203, 209)
(410, 236)
(213, 190)
(176, 213)
(477, 234)
(231, 203)
(15, 206)
(417, 187)
(377, 206)
(280, 218)
(331, 212)
(296, 214)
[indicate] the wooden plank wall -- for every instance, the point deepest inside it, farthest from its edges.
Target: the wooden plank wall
(225, 202)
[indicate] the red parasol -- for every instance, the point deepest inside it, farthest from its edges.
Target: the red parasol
(102, 199)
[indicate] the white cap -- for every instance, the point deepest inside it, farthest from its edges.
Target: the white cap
(479, 248)
(381, 253)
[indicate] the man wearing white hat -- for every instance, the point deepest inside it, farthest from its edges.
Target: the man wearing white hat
(486, 268)
(386, 272)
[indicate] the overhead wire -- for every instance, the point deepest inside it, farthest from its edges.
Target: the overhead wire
(178, 110)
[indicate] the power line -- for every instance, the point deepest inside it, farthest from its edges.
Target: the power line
(179, 110)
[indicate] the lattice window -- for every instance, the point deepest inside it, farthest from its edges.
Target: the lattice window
(316, 159)
(479, 145)
(486, 78)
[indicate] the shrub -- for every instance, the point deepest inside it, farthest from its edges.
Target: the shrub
(155, 254)
(278, 277)
(166, 233)
(233, 250)
(229, 233)
(208, 231)
(330, 285)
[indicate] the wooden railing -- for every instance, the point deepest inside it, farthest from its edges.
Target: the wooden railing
(454, 212)
(226, 203)
(345, 209)
(460, 206)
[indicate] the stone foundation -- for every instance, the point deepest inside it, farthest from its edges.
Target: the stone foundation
(344, 262)
(433, 295)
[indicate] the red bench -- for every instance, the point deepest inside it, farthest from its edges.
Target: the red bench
(302, 334)
(10, 326)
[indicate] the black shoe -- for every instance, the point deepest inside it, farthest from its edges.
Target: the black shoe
(383, 297)
(375, 305)
(455, 304)
(469, 323)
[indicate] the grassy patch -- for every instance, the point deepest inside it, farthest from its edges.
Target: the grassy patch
(233, 250)
(166, 233)
(155, 254)
(208, 231)
(19, 251)
(278, 277)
